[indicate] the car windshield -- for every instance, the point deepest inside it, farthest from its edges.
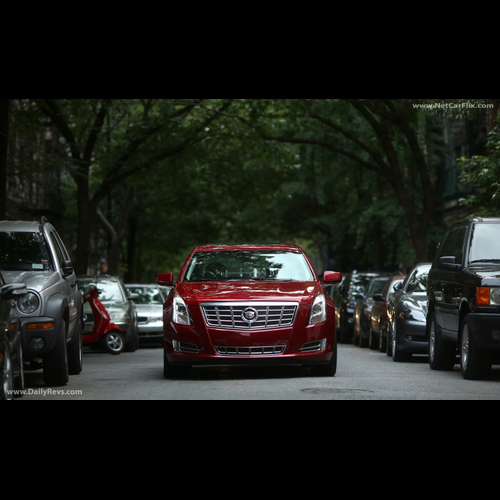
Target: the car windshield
(417, 283)
(243, 265)
(24, 252)
(377, 287)
(110, 290)
(484, 247)
(147, 295)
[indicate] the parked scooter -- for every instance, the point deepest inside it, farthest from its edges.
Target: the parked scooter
(106, 333)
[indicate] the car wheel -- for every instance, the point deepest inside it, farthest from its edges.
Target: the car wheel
(389, 342)
(397, 355)
(373, 340)
(382, 341)
(75, 353)
(442, 354)
(55, 364)
(174, 372)
(475, 364)
(113, 343)
(7, 378)
(19, 378)
(329, 370)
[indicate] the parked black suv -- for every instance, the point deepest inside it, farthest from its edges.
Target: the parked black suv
(464, 299)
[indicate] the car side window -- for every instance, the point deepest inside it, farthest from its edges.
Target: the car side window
(458, 251)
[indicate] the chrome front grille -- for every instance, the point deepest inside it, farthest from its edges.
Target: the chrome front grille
(251, 351)
(250, 315)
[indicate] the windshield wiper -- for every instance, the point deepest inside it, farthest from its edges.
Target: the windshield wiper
(484, 260)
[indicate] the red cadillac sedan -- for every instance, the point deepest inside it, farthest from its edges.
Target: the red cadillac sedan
(249, 304)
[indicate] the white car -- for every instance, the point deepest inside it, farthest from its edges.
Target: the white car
(149, 306)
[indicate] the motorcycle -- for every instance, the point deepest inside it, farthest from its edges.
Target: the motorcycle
(105, 332)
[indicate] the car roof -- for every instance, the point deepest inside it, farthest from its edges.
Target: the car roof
(233, 247)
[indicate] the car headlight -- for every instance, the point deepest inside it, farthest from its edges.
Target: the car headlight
(181, 313)
(318, 311)
(29, 303)
(488, 296)
(119, 317)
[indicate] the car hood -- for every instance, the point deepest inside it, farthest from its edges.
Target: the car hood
(289, 291)
(419, 305)
(489, 275)
(33, 280)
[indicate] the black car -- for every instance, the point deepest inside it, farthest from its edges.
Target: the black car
(346, 303)
(11, 349)
(363, 314)
(464, 299)
(408, 315)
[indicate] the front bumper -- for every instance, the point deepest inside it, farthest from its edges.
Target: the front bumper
(486, 330)
(310, 346)
(412, 337)
(47, 335)
(151, 331)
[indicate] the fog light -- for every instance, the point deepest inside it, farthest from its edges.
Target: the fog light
(37, 344)
(175, 343)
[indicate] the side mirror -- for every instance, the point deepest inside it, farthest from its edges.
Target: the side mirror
(134, 297)
(359, 296)
(332, 278)
(67, 268)
(449, 264)
(398, 287)
(379, 298)
(165, 279)
(13, 291)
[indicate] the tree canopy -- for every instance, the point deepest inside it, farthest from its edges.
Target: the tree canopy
(133, 184)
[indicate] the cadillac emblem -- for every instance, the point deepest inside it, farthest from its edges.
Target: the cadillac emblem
(250, 315)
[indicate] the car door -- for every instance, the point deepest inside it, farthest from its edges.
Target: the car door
(447, 282)
(455, 283)
(68, 283)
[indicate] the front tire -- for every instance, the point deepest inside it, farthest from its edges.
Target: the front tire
(55, 364)
(475, 364)
(442, 354)
(329, 370)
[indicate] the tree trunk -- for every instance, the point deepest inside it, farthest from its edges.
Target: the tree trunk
(4, 145)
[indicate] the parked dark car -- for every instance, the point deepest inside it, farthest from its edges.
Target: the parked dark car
(345, 300)
(379, 324)
(408, 315)
(464, 299)
(364, 308)
(11, 348)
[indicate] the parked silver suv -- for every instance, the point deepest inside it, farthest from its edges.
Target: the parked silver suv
(50, 313)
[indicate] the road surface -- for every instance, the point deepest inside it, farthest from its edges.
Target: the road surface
(362, 375)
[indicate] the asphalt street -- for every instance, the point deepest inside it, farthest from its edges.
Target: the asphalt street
(362, 375)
